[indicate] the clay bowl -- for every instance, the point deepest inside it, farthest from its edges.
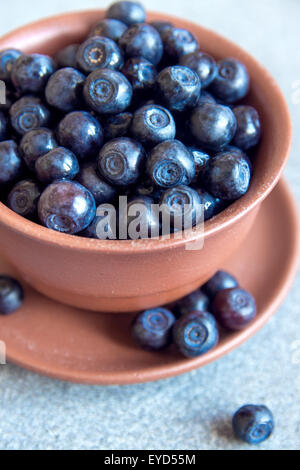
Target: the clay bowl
(124, 276)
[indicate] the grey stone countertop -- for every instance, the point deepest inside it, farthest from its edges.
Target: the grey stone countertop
(192, 411)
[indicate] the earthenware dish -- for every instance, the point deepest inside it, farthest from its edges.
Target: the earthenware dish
(125, 276)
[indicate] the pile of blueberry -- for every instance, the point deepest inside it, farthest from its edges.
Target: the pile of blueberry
(137, 109)
(192, 324)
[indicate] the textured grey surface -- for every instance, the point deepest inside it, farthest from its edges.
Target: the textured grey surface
(192, 411)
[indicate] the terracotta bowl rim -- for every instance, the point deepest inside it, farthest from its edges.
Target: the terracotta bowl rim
(223, 220)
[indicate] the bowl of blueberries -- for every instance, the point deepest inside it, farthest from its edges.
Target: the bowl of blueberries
(107, 111)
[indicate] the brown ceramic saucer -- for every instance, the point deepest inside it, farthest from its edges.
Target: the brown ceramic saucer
(62, 342)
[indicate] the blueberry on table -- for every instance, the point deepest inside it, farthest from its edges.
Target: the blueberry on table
(29, 113)
(64, 89)
(178, 42)
(227, 175)
(219, 281)
(109, 28)
(30, 73)
(203, 64)
(152, 329)
(232, 81)
(128, 12)
(141, 73)
(195, 333)
(104, 225)
(66, 57)
(178, 88)
(152, 124)
(121, 160)
(3, 126)
(82, 133)
(11, 165)
(36, 143)
(196, 300)
(23, 198)
(181, 208)
(66, 206)
(142, 40)
(11, 295)
(170, 164)
(253, 423)
(7, 60)
(161, 26)
(201, 159)
(59, 163)
(100, 189)
(212, 205)
(99, 52)
(213, 126)
(107, 91)
(234, 308)
(116, 125)
(248, 130)
(142, 219)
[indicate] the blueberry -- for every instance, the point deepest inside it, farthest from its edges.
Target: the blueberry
(234, 308)
(29, 113)
(107, 91)
(11, 295)
(212, 205)
(99, 52)
(232, 81)
(196, 300)
(206, 97)
(227, 175)
(66, 206)
(152, 329)
(179, 88)
(66, 57)
(170, 163)
(195, 333)
(181, 209)
(128, 12)
(82, 133)
(142, 40)
(30, 73)
(57, 164)
(121, 160)
(142, 219)
(3, 126)
(203, 64)
(201, 159)
(64, 89)
(116, 125)
(36, 143)
(152, 124)
(161, 26)
(109, 28)
(23, 198)
(7, 60)
(147, 188)
(11, 165)
(220, 281)
(178, 42)
(253, 423)
(100, 189)
(248, 131)
(212, 125)
(103, 226)
(141, 73)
